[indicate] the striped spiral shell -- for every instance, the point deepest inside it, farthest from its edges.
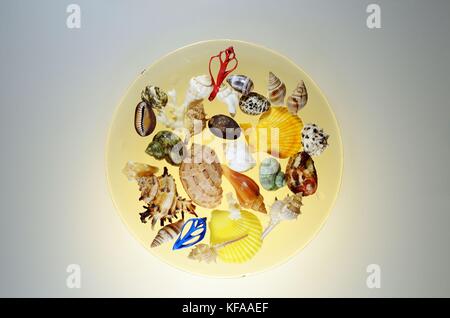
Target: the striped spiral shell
(241, 83)
(276, 90)
(167, 233)
(298, 99)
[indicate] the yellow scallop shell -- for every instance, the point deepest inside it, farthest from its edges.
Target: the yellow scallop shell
(278, 132)
(224, 229)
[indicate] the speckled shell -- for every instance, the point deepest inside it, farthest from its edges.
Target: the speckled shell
(254, 104)
(301, 175)
(144, 119)
(154, 96)
(298, 99)
(201, 176)
(276, 90)
(314, 140)
(241, 83)
(167, 233)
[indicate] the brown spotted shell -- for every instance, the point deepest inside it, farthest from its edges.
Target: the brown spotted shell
(201, 176)
(301, 175)
(195, 120)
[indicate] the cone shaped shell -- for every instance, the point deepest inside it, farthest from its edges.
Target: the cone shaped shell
(278, 133)
(167, 233)
(224, 229)
(276, 90)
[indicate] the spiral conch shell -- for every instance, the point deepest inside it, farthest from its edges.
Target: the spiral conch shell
(276, 90)
(287, 209)
(278, 133)
(159, 193)
(200, 87)
(167, 233)
(298, 99)
(245, 232)
(201, 176)
(208, 253)
(154, 97)
(247, 190)
(228, 96)
(238, 156)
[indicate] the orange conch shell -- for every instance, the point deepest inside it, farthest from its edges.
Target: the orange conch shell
(247, 190)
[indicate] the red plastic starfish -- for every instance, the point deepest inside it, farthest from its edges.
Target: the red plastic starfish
(223, 72)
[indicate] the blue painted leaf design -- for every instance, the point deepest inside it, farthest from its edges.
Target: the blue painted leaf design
(194, 234)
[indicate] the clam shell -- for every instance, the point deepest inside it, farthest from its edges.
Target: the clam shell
(144, 119)
(167, 233)
(224, 229)
(301, 175)
(278, 132)
(298, 99)
(276, 90)
(201, 176)
(154, 96)
(241, 83)
(254, 103)
(224, 127)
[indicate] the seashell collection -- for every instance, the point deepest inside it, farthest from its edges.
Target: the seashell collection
(203, 172)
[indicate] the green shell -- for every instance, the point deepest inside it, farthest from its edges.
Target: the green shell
(166, 145)
(154, 96)
(270, 175)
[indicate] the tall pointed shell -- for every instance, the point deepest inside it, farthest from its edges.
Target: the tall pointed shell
(201, 176)
(224, 229)
(276, 90)
(298, 99)
(241, 83)
(167, 233)
(278, 133)
(247, 190)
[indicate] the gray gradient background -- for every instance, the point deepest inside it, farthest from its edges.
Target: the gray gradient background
(389, 89)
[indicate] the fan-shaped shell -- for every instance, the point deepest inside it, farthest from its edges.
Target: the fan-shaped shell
(224, 229)
(280, 131)
(276, 90)
(201, 176)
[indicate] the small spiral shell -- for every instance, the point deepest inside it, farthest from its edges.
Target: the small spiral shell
(167, 233)
(276, 90)
(298, 99)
